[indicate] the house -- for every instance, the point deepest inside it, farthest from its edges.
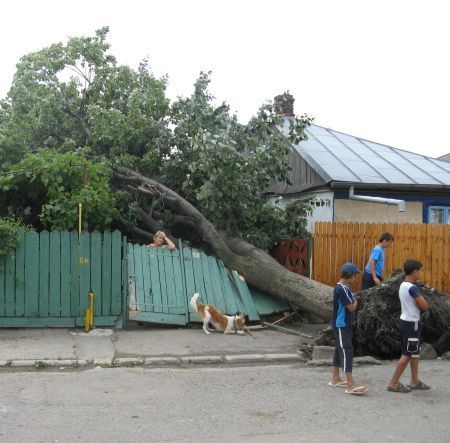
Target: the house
(353, 179)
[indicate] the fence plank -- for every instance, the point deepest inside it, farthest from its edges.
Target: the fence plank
(96, 271)
(20, 276)
(55, 275)
(85, 272)
(156, 291)
(32, 274)
(2, 285)
(44, 273)
(106, 274)
(65, 274)
(116, 279)
(74, 274)
(446, 259)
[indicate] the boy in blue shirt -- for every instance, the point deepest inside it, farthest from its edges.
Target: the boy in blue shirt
(344, 304)
(373, 272)
(412, 303)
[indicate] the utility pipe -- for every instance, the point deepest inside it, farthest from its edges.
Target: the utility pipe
(367, 198)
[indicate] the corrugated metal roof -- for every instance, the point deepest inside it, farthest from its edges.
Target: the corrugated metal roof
(445, 157)
(341, 157)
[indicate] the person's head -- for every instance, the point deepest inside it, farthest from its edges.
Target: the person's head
(349, 272)
(158, 239)
(386, 240)
(413, 269)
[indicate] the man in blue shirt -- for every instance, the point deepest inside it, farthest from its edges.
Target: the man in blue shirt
(344, 304)
(373, 272)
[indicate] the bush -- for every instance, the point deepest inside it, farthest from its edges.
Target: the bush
(9, 234)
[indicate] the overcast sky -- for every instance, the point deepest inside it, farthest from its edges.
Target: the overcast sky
(374, 69)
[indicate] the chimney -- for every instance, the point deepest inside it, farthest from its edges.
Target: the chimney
(284, 104)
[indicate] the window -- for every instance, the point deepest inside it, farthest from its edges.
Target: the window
(439, 214)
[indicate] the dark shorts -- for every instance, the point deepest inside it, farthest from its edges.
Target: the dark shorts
(368, 281)
(343, 349)
(410, 334)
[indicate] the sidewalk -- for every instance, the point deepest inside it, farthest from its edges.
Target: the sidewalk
(145, 346)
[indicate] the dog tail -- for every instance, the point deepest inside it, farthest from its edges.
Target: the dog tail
(193, 301)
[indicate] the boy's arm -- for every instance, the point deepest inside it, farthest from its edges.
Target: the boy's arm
(372, 271)
(351, 307)
(421, 303)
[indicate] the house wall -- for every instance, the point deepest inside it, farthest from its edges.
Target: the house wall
(367, 212)
(322, 202)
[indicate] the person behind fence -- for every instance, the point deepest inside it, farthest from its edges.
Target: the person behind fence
(412, 303)
(344, 305)
(373, 272)
(160, 240)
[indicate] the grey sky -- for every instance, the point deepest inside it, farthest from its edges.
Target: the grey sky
(375, 69)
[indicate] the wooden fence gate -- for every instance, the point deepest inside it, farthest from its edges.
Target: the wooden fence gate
(47, 281)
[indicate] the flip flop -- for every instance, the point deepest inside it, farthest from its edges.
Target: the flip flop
(340, 384)
(360, 390)
(402, 389)
(421, 386)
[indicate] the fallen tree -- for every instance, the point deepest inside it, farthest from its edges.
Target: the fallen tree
(258, 267)
(376, 323)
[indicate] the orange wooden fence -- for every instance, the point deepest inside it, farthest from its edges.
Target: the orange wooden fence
(337, 243)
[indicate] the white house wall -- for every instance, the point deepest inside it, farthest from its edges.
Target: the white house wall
(322, 206)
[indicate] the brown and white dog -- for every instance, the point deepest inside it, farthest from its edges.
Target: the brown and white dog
(233, 324)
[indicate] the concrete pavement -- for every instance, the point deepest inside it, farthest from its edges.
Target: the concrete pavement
(69, 348)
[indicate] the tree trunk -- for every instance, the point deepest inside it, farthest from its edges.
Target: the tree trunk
(258, 268)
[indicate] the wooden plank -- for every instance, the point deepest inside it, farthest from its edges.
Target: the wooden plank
(116, 278)
(55, 275)
(65, 274)
(2, 285)
(210, 296)
(20, 276)
(217, 283)
(156, 291)
(229, 290)
(44, 273)
(178, 279)
(252, 312)
(440, 257)
(25, 322)
(102, 321)
(106, 274)
(74, 274)
(147, 295)
(429, 254)
(96, 272)
(173, 306)
(123, 320)
(10, 286)
(85, 272)
(139, 277)
(189, 282)
(32, 274)
(198, 275)
(158, 317)
(446, 260)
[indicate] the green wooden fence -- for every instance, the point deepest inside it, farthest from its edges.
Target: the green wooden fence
(47, 281)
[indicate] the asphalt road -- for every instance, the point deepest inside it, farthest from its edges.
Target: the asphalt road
(289, 403)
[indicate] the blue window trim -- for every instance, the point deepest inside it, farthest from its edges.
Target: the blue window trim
(446, 213)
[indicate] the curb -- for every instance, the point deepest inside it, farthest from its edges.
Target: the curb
(153, 361)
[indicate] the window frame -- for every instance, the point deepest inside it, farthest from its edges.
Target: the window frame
(446, 214)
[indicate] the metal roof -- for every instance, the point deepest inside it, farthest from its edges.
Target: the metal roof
(445, 157)
(341, 157)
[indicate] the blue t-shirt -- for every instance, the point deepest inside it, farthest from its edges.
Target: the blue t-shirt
(377, 255)
(342, 296)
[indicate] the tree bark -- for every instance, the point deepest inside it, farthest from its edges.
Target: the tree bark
(256, 266)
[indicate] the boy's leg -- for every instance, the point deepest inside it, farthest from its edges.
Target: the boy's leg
(335, 377)
(414, 371)
(401, 366)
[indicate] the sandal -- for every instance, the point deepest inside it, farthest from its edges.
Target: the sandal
(420, 386)
(400, 388)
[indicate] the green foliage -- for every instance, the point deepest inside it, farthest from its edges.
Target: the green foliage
(56, 183)
(9, 234)
(72, 107)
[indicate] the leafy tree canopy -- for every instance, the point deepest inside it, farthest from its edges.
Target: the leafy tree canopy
(73, 114)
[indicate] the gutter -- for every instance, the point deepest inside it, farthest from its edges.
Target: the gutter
(367, 198)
